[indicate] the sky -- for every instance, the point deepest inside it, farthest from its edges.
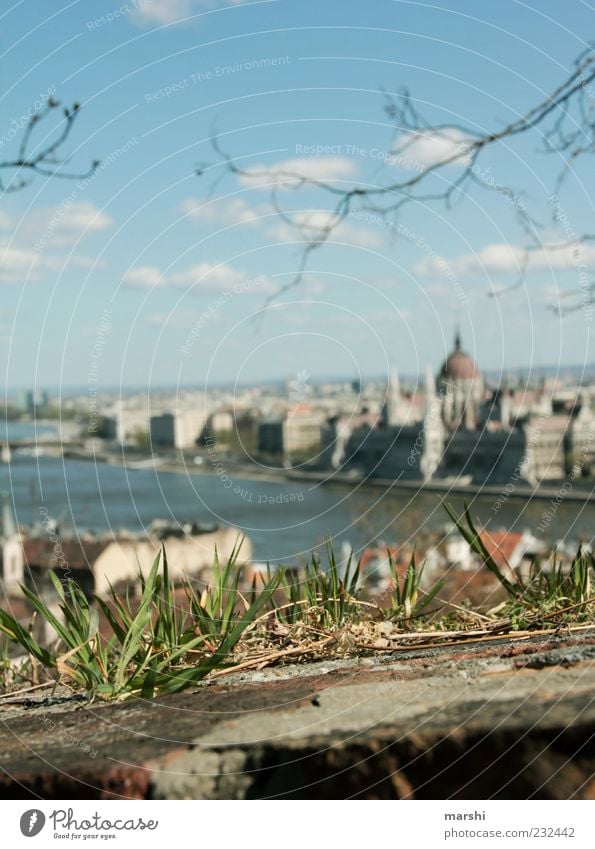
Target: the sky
(151, 274)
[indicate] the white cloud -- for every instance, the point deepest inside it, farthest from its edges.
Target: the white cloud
(67, 220)
(157, 319)
(385, 283)
(164, 319)
(224, 211)
(27, 265)
(160, 11)
(501, 258)
(143, 276)
(146, 12)
(63, 224)
(83, 217)
(201, 277)
(311, 222)
(313, 286)
(288, 173)
(429, 148)
(18, 265)
(311, 226)
(183, 319)
(179, 320)
(207, 276)
(29, 256)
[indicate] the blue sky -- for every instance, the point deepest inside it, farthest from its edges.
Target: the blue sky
(147, 274)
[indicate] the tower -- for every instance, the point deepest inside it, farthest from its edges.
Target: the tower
(461, 386)
(433, 430)
(392, 412)
(12, 555)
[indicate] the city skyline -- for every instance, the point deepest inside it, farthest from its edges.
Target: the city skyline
(532, 374)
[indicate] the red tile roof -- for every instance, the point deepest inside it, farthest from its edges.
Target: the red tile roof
(376, 553)
(19, 608)
(73, 553)
(501, 545)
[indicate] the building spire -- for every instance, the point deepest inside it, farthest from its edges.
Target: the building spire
(458, 345)
(391, 409)
(394, 384)
(430, 382)
(432, 402)
(9, 527)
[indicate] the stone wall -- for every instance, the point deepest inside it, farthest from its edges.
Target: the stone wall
(507, 718)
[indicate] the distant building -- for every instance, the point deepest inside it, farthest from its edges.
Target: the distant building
(176, 430)
(466, 432)
(295, 434)
(26, 401)
(96, 562)
(70, 558)
(221, 421)
(162, 430)
(508, 549)
(129, 422)
(190, 554)
(461, 388)
(12, 563)
(581, 442)
(30, 402)
(334, 436)
(271, 437)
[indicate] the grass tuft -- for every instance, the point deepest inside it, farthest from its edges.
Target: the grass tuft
(152, 649)
(155, 647)
(407, 601)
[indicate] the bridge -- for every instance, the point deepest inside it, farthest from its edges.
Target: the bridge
(52, 443)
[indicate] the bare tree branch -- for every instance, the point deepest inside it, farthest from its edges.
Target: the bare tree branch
(46, 161)
(565, 120)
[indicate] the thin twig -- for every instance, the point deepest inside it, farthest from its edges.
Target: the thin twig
(20, 692)
(269, 658)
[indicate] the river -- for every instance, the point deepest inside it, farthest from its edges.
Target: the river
(284, 519)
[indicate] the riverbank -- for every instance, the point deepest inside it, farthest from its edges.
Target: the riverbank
(286, 519)
(223, 467)
(545, 493)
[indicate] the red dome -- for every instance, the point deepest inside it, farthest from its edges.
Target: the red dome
(459, 365)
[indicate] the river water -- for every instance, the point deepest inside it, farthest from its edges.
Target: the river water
(284, 520)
